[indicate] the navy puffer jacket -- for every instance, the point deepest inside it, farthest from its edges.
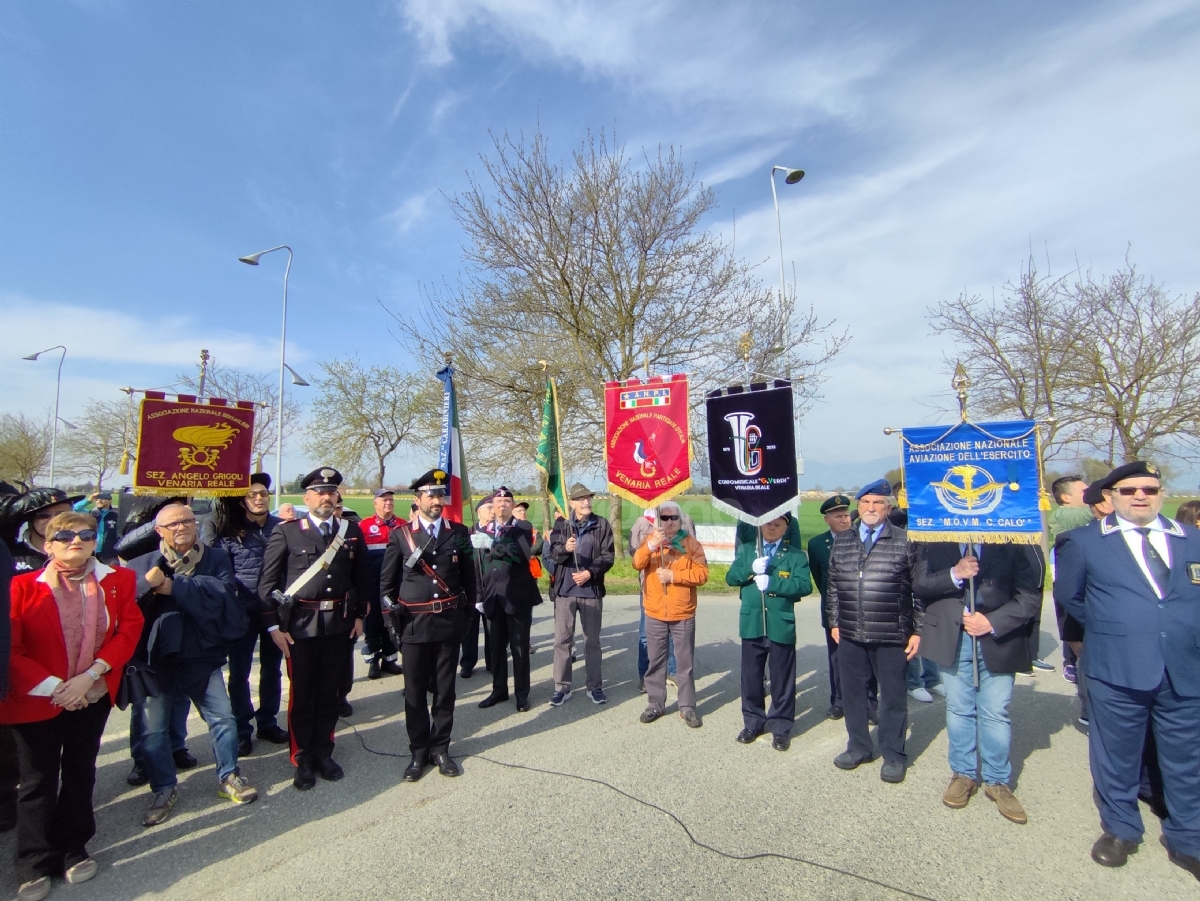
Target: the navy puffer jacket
(247, 556)
(870, 596)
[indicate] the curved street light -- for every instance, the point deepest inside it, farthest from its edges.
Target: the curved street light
(57, 394)
(252, 260)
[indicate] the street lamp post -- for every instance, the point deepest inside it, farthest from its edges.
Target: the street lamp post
(252, 260)
(791, 176)
(57, 394)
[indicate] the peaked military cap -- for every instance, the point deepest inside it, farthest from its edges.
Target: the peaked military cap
(435, 478)
(837, 502)
(1129, 471)
(880, 488)
(325, 477)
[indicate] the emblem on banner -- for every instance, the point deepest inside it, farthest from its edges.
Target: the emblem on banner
(959, 494)
(645, 458)
(645, 397)
(746, 439)
(202, 444)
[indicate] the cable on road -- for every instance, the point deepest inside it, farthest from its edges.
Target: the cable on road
(728, 855)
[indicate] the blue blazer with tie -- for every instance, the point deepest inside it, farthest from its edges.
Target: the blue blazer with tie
(1131, 636)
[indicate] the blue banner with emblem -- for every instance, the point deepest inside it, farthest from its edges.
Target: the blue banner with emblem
(976, 482)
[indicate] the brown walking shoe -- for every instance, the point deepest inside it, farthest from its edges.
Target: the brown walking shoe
(959, 791)
(1006, 802)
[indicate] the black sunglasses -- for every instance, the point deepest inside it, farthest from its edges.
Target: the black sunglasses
(66, 536)
(1127, 491)
(668, 518)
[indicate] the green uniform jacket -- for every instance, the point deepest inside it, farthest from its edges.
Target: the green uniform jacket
(1063, 519)
(818, 561)
(790, 582)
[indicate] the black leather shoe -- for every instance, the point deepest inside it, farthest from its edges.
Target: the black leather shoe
(522, 705)
(274, 734)
(329, 770)
(245, 746)
(892, 772)
(446, 765)
(373, 670)
(492, 700)
(184, 760)
(305, 778)
(345, 708)
(848, 761)
(748, 737)
(415, 770)
(391, 668)
(1110, 851)
(466, 672)
(834, 713)
(138, 775)
(1189, 863)
(781, 742)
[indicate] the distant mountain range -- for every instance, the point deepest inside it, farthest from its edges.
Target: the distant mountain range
(847, 474)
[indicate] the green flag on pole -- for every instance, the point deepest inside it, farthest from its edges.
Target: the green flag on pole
(549, 452)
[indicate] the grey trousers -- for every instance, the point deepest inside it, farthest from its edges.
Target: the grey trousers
(683, 635)
(590, 612)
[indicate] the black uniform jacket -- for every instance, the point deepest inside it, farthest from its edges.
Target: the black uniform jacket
(508, 585)
(1008, 591)
(450, 557)
(295, 546)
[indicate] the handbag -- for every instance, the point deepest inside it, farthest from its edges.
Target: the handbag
(138, 683)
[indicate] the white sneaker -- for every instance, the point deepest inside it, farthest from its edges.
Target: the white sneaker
(939, 689)
(920, 694)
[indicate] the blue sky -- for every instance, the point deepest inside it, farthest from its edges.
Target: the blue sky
(146, 146)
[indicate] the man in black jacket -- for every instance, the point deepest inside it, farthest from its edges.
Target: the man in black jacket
(428, 582)
(320, 563)
(509, 593)
(872, 617)
(1006, 581)
(583, 551)
(189, 597)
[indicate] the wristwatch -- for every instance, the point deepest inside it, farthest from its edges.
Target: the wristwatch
(95, 675)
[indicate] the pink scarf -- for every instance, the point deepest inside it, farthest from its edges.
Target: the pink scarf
(81, 611)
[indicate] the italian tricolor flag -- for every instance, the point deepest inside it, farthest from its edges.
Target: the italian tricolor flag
(450, 454)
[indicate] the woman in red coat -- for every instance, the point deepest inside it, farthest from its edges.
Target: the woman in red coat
(75, 624)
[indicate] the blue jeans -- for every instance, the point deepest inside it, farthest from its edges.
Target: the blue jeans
(270, 659)
(643, 654)
(978, 721)
(178, 728)
(922, 673)
(213, 703)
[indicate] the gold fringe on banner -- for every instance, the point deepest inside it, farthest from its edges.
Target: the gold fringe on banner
(123, 467)
(978, 537)
(198, 492)
(653, 502)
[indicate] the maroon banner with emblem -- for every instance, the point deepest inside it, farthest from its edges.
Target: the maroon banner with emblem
(192, 447)
(647, 446)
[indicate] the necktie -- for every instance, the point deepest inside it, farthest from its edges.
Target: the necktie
(431, 530)
(870, 539)
(1156, 564)
(326, 530)
(771, 548)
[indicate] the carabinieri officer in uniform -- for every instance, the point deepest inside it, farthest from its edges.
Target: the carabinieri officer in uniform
(331, 594)
(429, 583)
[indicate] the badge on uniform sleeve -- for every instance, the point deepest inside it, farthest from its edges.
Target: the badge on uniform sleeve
(1194, 573)
(784, 575)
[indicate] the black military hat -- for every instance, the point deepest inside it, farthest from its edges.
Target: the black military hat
(837, 502)
(524, 504)
(1129, 471)
(37, 499)
(261, 478)
(483, 502)
(325, 477)
(435, 478)
(502, 492)
(579, 491)
(1092, 494)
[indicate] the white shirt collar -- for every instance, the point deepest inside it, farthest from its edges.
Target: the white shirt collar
(1126, 526)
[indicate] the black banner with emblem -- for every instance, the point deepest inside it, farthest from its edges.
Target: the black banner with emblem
(752, 451)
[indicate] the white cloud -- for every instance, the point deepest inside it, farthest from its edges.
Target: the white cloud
(410, 211)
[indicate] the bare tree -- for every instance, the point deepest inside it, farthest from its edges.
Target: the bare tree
(94, 449)
(368, 413)
(603, 268)
(24, 447)
(262, 388)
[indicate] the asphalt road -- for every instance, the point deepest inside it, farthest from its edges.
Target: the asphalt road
(584, 801)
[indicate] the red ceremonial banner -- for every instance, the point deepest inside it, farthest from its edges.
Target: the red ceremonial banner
(188, 447)
(646, 441)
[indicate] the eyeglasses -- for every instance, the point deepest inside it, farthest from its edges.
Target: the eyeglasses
(66, 536)
(1127, 491)
(258, 494)
(176, 526)
(669, 518)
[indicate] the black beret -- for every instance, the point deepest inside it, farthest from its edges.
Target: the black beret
(837, 502)
(484, 502)
(502, 492)
(325, 477)
(1092, 494)
(1129, 471)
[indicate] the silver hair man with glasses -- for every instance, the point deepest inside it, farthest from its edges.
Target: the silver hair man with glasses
(189, 598)
(1132, 580)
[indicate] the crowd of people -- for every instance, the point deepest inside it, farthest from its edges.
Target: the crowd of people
(151, 619)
